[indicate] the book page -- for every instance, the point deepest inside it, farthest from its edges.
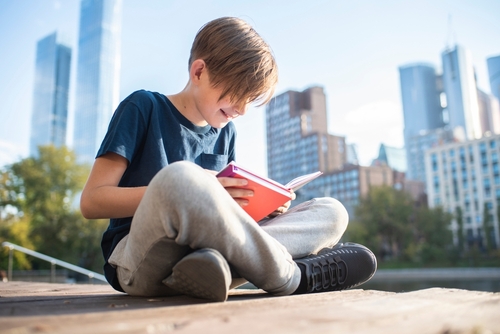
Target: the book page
(300, 181)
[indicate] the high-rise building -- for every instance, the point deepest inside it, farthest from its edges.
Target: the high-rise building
(50, 98)
(494, 75)
(98, 69)
(298, 141)
(420, 93)
(421, 96)
(466, 175)
(459, 84)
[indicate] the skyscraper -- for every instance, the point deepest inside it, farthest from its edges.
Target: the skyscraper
(50, 98)
(420, 93)
(97, 87)
(461, 91)
(421, 98)
(494, 75)
(298, 141)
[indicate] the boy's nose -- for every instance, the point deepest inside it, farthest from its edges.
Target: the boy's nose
(242, 110)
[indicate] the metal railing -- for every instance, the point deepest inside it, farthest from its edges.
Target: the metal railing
(53, 262)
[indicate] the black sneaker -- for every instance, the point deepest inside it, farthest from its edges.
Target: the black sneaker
(342, 267)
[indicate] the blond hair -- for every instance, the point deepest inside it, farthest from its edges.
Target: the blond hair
(238, 60)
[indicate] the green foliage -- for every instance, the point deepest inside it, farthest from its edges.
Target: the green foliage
(460, 221)
(389, 223)
(16, 231)
(38, 211)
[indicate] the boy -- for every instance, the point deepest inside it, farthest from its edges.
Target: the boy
(177, 228)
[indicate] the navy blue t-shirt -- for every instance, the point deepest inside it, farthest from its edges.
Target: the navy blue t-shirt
(150, 133)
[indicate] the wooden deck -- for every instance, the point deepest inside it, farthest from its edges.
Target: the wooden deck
(27, 307)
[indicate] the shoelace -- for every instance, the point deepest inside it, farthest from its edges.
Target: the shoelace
(329, 275)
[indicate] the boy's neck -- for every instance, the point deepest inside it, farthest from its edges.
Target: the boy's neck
(186, 106)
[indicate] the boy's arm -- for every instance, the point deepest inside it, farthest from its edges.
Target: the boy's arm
(101, 196)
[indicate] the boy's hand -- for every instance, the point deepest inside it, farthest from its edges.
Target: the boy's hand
(284, 207)
(236, 188)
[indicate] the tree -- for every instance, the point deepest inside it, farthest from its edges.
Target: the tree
(389, 223)
(385, 214)
(460, 232)
(487, 228)
(434, 237)
(42, 191)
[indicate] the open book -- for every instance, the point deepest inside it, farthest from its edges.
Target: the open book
(268, 194)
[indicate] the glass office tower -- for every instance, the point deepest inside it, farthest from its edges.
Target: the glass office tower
(50, 99)
(97, 87)
(461, 91)
(421, 98)
(420, 94)
(494, 75)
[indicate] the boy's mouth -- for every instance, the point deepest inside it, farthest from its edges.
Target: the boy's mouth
(228, 116)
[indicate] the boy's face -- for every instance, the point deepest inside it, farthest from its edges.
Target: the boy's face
(215, 111)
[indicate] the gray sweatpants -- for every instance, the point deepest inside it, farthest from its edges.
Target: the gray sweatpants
(185, 208)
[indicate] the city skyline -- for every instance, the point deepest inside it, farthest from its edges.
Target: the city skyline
(354, 54)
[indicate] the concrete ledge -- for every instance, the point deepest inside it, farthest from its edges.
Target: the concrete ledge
(63, 308)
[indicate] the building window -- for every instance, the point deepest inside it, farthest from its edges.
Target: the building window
(482, 147)
(434, 163)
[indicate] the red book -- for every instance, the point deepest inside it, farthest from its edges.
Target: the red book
(268, 194)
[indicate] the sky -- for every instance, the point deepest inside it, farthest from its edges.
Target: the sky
(351, 48)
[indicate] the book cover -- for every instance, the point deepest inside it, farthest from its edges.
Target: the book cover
(268, 194)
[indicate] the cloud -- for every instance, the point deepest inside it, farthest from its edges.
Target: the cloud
(372, 124)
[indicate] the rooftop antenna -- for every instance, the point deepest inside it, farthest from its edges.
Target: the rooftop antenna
(450, 38)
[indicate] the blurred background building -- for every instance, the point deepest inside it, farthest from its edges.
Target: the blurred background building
(494, 75)
(466, 175)
(98, 74)
(298, 143)
(452, 141)
(51, 90)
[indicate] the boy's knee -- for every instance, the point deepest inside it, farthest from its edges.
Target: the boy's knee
(180, 170)
(177, 176)
(336, 210)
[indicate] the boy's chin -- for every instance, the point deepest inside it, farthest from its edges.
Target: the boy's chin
(218, 125)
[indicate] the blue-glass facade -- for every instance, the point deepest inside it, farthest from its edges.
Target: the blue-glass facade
(494, 75)
(422, 108)
(97, 87)
(50, 99)
(421, 98)
(393, 157)
(461, 91)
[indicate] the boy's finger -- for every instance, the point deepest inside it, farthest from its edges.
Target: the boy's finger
(232, 182)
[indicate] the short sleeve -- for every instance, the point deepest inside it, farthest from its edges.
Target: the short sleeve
(127, 128)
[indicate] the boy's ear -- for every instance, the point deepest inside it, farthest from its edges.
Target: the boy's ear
(198, 67)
